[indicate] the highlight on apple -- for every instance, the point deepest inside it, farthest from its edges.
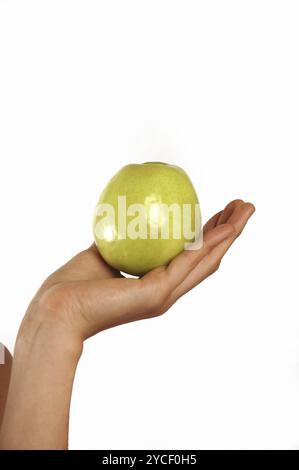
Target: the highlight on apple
(148, 221)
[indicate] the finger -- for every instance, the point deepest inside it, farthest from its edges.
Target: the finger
(222, 216)
(238, 219)
(229, 210)
(212, 222)
(209, 263)
(181, 266)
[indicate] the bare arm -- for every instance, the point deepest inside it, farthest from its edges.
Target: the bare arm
(37, 409)
(82, 298)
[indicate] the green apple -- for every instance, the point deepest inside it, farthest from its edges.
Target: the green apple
(146, 215)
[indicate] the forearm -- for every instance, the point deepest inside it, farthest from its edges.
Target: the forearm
(38, 403)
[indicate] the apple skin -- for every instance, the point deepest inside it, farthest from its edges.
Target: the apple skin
(147, 184)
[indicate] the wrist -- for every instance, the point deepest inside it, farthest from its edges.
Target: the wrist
(39, 331)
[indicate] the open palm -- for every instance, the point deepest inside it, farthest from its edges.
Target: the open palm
(88, 296)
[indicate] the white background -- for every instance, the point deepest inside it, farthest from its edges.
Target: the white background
(88, 86)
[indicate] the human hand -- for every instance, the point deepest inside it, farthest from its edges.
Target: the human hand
(80, 299)
(86, 296)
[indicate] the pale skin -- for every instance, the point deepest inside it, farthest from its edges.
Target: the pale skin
(79, 300)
